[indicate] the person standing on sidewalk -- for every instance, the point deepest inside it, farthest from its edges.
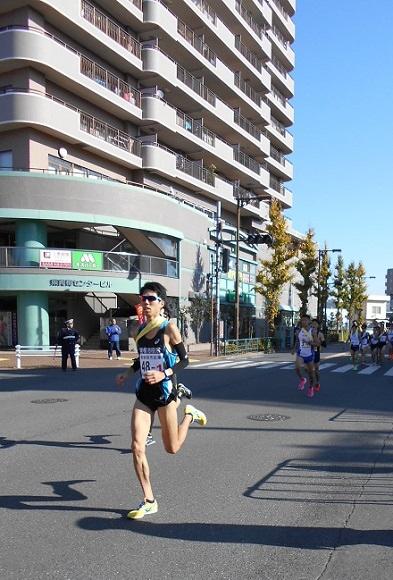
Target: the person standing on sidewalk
(113, 332)
(68, 337)
(159, 346)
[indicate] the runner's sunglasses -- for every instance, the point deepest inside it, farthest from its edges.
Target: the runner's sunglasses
(150, 298)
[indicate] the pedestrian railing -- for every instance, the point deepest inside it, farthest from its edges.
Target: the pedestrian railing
(45, 350)
(242, 345)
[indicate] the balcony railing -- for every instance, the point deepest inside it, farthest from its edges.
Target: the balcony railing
(110, 28)
(195, 170)
(279, 35)
(279, 96)
(247, 16)
(195, 127)
(31, 257)
(277, 155)
(110, 134)
(247, 195)
(281, 8)
(278, 126)
(137, 3)
(207, 10)
(279, 66)
(110, 81)
(248, 54)
(277, 185)
(247, 89)
(246, 160)
(190, 36)
(196, 85)
(247, 125)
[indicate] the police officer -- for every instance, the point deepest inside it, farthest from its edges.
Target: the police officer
(67, 338)
(113, 332)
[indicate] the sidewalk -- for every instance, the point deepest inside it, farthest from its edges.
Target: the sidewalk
(197, 353)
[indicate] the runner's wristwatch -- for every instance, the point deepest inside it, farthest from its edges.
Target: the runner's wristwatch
(166, 374)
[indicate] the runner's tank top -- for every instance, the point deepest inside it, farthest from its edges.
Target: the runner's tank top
(305, 339)
(154, 356)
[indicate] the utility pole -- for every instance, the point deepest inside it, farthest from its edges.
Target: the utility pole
(237, 293)
(217, 276)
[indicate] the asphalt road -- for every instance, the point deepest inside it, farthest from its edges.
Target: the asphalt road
(276, 486)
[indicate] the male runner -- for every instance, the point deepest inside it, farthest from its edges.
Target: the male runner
(305, 355)
(319, 340)
(159, 344)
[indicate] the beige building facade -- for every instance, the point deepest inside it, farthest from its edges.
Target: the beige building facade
(122, 124)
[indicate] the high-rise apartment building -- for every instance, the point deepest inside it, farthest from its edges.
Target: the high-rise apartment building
(122, 123)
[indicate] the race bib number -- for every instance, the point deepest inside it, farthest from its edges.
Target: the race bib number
(151, 361)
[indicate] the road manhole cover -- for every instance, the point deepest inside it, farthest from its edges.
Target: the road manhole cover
(268, 417)
(45, 401)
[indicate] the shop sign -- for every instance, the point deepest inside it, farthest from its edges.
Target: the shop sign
(87, 260)
(55, 259)
(84, 284)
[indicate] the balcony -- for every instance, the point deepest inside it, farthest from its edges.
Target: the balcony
(110, 81)
(195, 127)
(110, 134)
(246, 160)
(248, 54)
(32, 257)
(247, 16)
(247, 89)
(245, 124)
(196, 42)
(110, 28)
(196, 85)
(206, 10)
(195, 170)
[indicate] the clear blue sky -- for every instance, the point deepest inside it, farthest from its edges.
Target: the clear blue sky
(343, 129)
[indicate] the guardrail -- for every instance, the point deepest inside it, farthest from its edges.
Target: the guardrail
(242, 345)
(47, 350)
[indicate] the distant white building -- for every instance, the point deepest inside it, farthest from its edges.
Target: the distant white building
(376, 307)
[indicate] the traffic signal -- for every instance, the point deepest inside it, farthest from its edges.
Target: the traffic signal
(260, 239)
(226, 254)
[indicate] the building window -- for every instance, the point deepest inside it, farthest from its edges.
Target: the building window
(6, 160)
(63, 167)
(376, 310)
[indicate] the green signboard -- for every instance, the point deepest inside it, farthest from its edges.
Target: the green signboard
(87, 260)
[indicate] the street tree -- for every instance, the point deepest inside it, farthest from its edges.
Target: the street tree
(338, 293)
(199, 312)
(306, 265)
(355, 295)
(277, 270)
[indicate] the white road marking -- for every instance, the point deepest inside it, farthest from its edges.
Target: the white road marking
(324, 366)
(369, 370)
(343, 369)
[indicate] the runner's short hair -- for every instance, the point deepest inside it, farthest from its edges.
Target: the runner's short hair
(156, 287)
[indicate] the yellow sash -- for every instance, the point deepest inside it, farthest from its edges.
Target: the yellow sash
(155, 323)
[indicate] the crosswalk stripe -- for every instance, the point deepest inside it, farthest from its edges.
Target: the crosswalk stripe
(211, 364)
(389, 373)
(342, 369)
(324, 366)
(369, 370)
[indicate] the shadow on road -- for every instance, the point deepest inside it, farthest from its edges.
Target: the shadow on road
(311, 538)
